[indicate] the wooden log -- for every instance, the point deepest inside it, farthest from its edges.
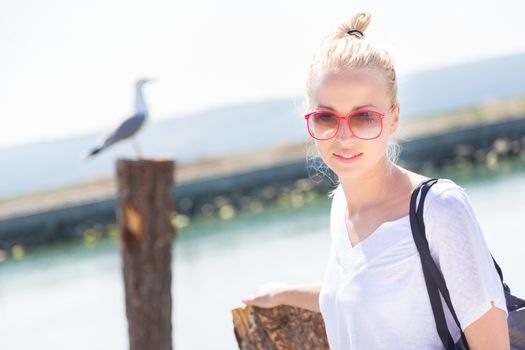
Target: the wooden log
(144, 210)
(283, 327)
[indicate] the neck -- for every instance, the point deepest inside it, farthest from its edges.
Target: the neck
(367, 190)
(140, 104)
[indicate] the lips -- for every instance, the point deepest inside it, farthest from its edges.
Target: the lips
(352, 157)
(347, 155)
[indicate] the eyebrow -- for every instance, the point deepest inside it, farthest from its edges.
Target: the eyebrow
(353, 109)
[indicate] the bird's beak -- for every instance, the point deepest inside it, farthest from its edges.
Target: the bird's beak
(145, 80)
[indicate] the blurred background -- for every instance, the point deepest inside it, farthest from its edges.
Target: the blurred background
(227, 106)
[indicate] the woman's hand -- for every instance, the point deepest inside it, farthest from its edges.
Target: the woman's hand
(267, 295)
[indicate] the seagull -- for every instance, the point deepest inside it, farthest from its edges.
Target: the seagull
(129, 127)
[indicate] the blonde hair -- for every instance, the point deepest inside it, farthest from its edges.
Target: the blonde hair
(343, 51)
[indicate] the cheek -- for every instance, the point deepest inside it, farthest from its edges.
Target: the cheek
(324, 149)
(381, 143)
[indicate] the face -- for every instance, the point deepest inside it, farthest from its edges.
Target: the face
(346, 92)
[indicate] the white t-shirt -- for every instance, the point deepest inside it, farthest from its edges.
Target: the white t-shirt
(374, 296)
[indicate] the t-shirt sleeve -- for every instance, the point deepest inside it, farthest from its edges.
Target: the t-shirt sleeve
(459, 249)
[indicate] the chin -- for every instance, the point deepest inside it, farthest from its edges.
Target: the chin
(350, 169)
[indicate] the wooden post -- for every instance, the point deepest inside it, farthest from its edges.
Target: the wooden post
(282, 327)
(144, 210)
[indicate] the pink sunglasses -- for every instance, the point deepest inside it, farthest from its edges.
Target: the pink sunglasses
(365, 124)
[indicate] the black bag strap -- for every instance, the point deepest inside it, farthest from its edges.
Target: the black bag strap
(434, 280)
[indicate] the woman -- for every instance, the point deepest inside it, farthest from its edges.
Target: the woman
(373, 294)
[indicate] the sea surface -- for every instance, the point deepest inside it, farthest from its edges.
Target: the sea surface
(72, 297)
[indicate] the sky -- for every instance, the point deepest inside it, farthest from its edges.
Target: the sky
(67, 67)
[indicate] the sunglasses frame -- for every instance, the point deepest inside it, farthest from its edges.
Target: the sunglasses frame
(340, 118)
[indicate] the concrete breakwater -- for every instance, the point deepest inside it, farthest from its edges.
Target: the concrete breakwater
(479, 143)
(243, 182)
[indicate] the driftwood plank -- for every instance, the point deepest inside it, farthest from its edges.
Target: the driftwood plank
(282, 327)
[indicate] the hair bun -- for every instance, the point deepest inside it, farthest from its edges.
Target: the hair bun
(355, 26)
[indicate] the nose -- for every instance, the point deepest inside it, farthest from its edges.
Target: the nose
(344, 133)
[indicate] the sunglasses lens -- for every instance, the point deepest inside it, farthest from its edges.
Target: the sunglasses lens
(323, 125)
(366, 125)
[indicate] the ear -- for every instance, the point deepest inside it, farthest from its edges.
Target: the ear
(394, 119)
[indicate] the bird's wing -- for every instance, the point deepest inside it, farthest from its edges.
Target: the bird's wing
(126, 129)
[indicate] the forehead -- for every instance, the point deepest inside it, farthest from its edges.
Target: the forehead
(343, 90)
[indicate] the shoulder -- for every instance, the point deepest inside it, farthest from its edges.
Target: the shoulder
(448, 209)
(448, 214)
(445, 195)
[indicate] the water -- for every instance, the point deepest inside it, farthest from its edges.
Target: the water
(73, 297)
